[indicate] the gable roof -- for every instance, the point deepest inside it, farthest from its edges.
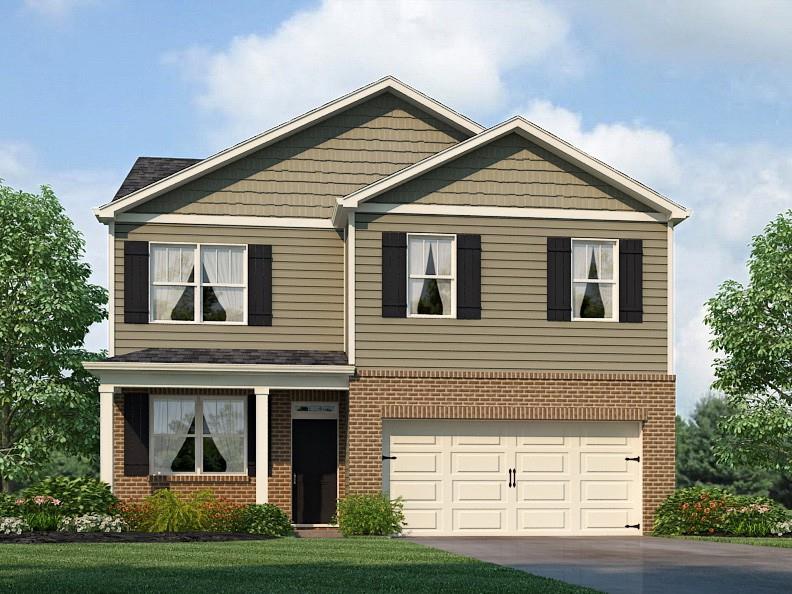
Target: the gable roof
(671, 210)
(389, 84)
(147, 170)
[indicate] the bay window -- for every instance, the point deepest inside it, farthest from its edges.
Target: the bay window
(198, 434)
(216, 295)
(594, 274)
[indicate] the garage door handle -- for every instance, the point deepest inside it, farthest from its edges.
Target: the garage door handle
(514, 480)
(638, 526)
(636, 459)
(389, 457)
(510, 478)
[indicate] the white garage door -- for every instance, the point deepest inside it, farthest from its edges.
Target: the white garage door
(514, 478)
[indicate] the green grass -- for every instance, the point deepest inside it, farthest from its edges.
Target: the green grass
(283, 565)
(783, 543)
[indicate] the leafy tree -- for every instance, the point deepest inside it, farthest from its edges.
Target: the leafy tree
(752, 332)
(697, 463)
(47, 401)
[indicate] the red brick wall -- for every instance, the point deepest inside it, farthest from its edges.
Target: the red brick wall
(236, 488)
(377, 394)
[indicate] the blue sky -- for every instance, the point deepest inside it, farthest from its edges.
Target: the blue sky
(691, 98)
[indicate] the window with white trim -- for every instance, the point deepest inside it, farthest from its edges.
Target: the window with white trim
(594, 279)
(217, 295)
(198, 435)
(431, 275)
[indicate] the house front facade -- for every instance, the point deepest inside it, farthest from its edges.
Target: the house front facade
(382, 295)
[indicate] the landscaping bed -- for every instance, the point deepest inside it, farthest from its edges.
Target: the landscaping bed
(48, 537)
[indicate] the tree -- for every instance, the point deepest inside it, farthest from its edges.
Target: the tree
(48, 402)
(752, 332)
(698, 464)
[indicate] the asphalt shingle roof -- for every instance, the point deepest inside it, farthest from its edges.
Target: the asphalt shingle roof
(234, 356)
(148, 170)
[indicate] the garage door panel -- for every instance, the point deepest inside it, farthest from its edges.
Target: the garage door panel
(605, 491)
(416, 462)
(603, 440)
(593, 519)
(478, 491)
(542, 519)
(533, 440)
(416, 490)
(398, 440)
(534, 462)
(528, 491)
(422, 519)
(479, 519)
(469, 462)
(597, 462)
(478, 440)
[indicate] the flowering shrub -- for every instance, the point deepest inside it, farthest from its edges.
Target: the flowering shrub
(92, 523)
(266, 519)
(13, 526)
(78, 495)
(166, 511)
(783, 528)
(222, 515)
(708, 510)
(41, 512)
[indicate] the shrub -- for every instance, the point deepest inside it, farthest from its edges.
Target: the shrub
(222, 515)
(10, 525)
(78, 495)
(41, 512)
(783, 528)
(370, 514)
(92, 523)
(266, 519)
(166, 511)
(8, 507)
(709, 510)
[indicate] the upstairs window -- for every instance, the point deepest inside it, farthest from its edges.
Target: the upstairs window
(594, 274)
(216, 295)
(431, 282)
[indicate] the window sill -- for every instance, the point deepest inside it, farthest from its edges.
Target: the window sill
(198, 478)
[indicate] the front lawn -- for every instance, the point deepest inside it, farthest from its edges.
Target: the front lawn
(784, 543)
(287, 564)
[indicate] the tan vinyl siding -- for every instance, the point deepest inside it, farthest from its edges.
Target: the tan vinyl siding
(514, 332)
(307, 291)
(302, 175)
(511, 171)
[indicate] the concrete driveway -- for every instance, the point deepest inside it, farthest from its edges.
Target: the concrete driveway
(635, 565)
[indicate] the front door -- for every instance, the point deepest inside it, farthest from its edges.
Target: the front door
(314, 470)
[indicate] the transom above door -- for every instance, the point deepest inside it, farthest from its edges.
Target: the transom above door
(507, 478)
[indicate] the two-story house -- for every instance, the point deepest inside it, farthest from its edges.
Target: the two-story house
(383, 295)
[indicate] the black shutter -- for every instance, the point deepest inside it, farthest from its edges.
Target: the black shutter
(136, 281)
(394, 275)
(559, 279)
(259, 285)
(251, 435)
(631, 280)
(469, 277)
(136, 434)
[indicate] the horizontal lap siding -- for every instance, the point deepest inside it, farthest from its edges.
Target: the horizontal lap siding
(514, 332)
(302, 175)
(307, 291)
(515, 172)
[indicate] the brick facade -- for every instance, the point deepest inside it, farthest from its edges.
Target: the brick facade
(377, 394)
(241, 489)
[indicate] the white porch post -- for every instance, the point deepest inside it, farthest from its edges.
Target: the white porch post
(262, 444)
(106, 433)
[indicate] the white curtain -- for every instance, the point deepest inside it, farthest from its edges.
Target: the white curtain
(172, 420)
(223, 265)
(170, 264)
(226, 422)
(430, 256)
(601, 253)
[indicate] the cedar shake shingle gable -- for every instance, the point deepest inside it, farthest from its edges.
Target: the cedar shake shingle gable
(148, 170)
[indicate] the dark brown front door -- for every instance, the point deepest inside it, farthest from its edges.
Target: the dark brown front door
(314, 468)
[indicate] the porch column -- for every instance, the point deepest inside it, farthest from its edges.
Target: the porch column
(106, 433)
(262, 444)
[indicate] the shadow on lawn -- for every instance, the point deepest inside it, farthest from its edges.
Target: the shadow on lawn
(296, 577)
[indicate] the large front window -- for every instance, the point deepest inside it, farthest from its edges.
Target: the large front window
(594, 273)
(431, 265)
(216, 295)
(192, 434)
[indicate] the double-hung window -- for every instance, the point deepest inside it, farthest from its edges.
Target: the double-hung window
(216, 295)
(198, 434)
(431, 278)
(594, 279)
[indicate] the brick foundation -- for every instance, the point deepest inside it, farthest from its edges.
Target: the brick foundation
(377, 394)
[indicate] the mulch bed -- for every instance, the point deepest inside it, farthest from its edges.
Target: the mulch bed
(119, 537)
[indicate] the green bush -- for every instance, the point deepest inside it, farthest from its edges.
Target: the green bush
(709, 510)
(266, 519)
(166, 511)
(78, 495)
(8, 508)
(370, 514)
(40, 512)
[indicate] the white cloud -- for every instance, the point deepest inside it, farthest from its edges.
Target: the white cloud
(734, 192)
(459, 52)
(78, 191)
(56, 9)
